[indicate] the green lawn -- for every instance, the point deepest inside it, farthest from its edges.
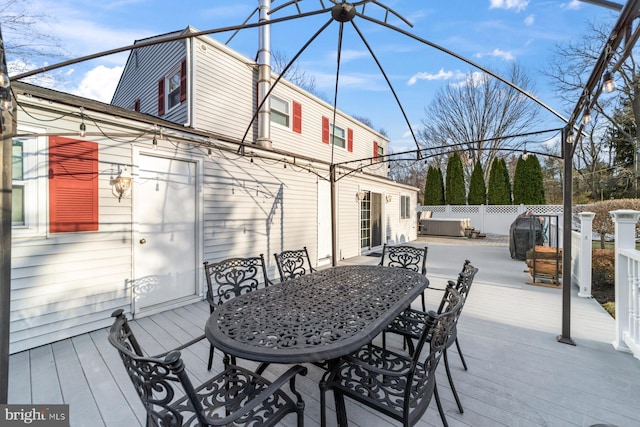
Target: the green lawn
(609, 245)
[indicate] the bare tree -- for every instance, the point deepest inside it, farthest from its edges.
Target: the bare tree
(25, 38)
(568, 72)
(409, 172)
(295, 74)
(475, 117)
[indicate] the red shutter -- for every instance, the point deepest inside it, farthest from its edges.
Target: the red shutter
(136, 105)
(375, 150)
(183, 80)
(161, 97)
(350, 140)
(73, 185)
(325, 130)
(297, 117)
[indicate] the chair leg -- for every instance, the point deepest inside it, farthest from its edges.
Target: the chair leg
(424, 307)
(461, 356)
(210, 358)
(341, 410)
(439, 405)
(453, 388)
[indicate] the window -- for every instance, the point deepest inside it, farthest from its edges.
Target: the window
(378, 151)
(18, 183)
(338, 136)
(29, 183)
(172, 89)
(280, 111)
(405, 207)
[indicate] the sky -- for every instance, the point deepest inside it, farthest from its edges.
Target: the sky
(492, 33)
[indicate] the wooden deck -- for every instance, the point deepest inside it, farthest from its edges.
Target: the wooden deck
(519, 375)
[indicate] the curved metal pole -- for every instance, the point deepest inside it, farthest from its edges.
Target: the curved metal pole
(158, 41)
(395, 95)
(470, 62)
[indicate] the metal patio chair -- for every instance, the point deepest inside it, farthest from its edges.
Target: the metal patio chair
(408, 257)
(230, 278)
(293, 263)
(235, 396)
(409, 324)
(400, 386)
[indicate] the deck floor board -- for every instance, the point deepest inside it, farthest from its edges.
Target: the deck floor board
(519, 375)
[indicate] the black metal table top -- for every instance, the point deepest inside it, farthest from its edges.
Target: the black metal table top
(315, 317)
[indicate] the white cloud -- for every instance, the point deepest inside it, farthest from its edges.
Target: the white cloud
(99, 83)
(476, 78)
(441, 75)
(518, 5)
(572, 5)
(529, 20)
(497, 53)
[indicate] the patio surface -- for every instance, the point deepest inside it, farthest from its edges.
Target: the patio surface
(519, 375)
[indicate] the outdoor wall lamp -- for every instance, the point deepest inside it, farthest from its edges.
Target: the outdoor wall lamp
(83, 127)
(608, 83)
(360, 195)
(121, 184)
(389, 198)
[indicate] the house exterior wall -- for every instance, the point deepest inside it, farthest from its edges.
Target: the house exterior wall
(222, 94)
(145, 67)
(64, 284)
(68, 283)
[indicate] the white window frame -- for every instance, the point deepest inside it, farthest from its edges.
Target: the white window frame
(287, 115)
(405, 206)
(340, 136)
(34, 182)
(175, 72)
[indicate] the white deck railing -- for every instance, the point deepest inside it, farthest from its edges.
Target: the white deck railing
(627, 282)
(581, 248)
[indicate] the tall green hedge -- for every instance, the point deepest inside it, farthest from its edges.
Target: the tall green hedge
(528, 188)
(477, 186)
(521, 183)
(537, 179)
(499, 191)
(454, 181)
(434, 187)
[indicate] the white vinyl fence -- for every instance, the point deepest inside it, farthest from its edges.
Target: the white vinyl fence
(495, 219)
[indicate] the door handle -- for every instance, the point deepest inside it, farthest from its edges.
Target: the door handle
(143, 241)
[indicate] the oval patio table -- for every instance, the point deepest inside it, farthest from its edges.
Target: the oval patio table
(316, 317)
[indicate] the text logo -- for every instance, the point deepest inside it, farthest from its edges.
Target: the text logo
(34, 415)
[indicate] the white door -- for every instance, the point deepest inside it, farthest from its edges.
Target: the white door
(324, 222)
(165, 245)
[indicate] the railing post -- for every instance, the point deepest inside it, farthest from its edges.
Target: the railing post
(625, 234)
(586, 237)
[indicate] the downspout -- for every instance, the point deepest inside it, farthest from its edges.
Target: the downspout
(264, 76)
(189, 46)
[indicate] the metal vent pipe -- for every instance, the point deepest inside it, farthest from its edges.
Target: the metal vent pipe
(264, 75)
